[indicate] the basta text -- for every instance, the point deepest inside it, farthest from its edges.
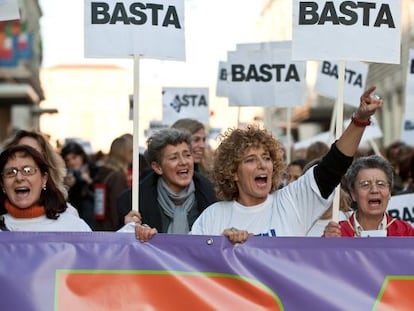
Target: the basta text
(350, 13)
(138, 14)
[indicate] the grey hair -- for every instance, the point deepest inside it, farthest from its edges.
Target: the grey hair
(373, 161)
(162, 138)
(191, 125)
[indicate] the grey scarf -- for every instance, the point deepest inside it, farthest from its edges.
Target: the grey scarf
(176, 206)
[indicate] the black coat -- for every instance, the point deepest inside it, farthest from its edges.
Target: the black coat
(151, 211)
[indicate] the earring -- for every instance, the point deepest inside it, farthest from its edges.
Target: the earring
(4, 190)
(44, 187)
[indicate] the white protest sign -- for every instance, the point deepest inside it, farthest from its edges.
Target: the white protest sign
(347, 30)
(407, 131)
(265, 78)
(181, 103)
(9, 10)
(224, 71)
(125, 28)
(355, 80)
(402, 207)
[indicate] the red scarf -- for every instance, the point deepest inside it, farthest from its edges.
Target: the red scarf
(31, 212)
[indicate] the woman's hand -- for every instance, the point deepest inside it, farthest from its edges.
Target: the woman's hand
(144, 233)
(332, 230)
(133, 216)
(235, 235)
(369, 103)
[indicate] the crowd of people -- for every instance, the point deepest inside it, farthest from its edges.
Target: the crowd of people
(241, 189)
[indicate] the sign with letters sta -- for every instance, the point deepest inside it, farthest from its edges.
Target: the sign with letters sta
(178, 103)
(347, 30)
(355, 79)
(125, 28)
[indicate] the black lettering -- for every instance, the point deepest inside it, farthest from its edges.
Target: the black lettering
(171, 18)
(329, 14)
(384, 17)
(292, 73)
(308, 9)
(334, 71)
(366, 6)
(349, 73)
(409, 125)
(394, 213)
(237, 73)
(135, 9)
(326, 67)
(119, 14)
(154, 8)
(412, 66)
(348, 15)
(353, 17)
(186, 100)
(266, 73)
(223, 74)
(252, 74)
(278, 68)
(358, 81)
(202, 101)
(99, 11)
(176, 104)
(407, 215)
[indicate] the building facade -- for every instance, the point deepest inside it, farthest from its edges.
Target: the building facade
(20, 60)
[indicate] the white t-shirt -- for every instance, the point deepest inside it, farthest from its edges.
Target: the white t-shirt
(67, 221)
(290, 211)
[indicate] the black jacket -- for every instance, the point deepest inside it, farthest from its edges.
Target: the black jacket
(150, 209)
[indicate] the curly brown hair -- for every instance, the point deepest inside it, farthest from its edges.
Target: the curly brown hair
(227, 158)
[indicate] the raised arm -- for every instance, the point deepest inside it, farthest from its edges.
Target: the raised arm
(349, 141)
(333, 166)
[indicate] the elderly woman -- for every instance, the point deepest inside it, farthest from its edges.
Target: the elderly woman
(173, 195)
(369, 181)
(30, 200)
(248, 168)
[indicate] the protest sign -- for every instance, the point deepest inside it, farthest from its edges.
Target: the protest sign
(179, 103)
(123, 29)
(347, 30)
(355, 80)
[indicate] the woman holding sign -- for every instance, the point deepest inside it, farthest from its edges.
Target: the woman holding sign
(370, 180)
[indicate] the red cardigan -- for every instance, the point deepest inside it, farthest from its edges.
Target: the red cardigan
(395, 227)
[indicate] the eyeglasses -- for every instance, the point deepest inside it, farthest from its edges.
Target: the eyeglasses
(25, 171)
(367, 184)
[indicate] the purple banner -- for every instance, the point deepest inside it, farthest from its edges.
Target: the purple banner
(113, 271)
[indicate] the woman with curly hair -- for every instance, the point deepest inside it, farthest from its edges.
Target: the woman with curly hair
(248, 169)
